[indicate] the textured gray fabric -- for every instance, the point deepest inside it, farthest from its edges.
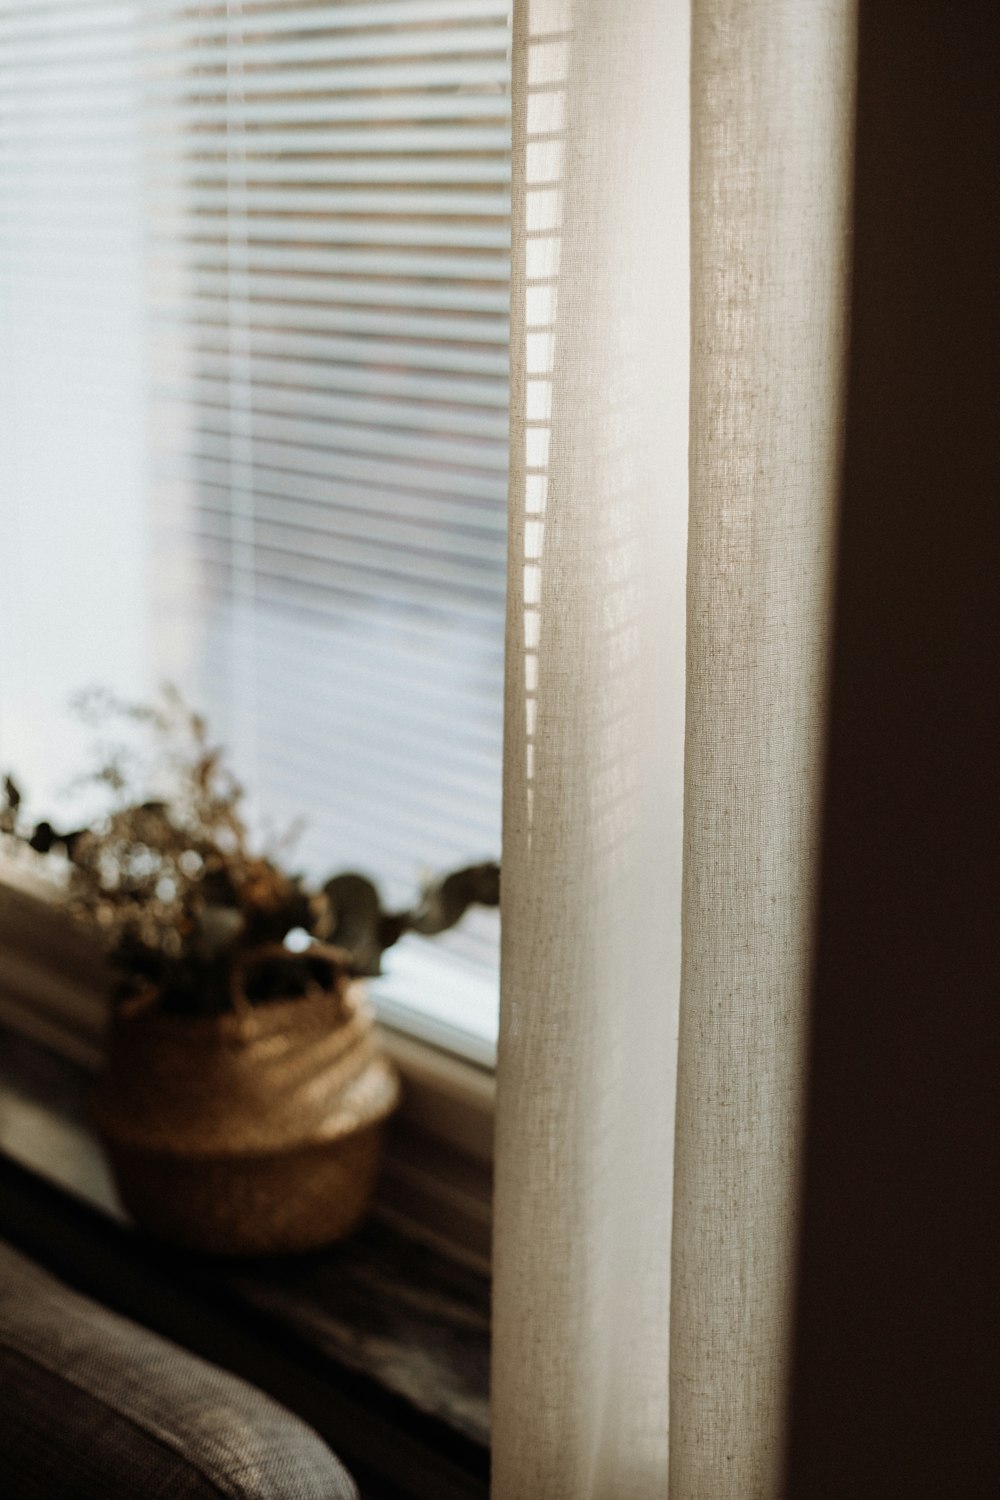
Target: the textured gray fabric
(92, 1405)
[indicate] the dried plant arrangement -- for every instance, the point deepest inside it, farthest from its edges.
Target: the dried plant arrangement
(184, 906)
(245, 1090)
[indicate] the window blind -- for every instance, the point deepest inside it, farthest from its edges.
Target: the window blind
(316, 196)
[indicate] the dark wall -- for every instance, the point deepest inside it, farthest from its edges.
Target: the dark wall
(898, 1345)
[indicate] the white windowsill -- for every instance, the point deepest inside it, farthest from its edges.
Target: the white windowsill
(439, 999)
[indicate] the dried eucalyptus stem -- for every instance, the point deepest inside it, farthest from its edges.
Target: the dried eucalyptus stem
(180, 900)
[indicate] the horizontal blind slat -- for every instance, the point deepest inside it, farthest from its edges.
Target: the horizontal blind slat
(298, 595)
(336, 561)
(342, 437)
(318, 198)
(387, 475)
(446, 421)
(260, 82)
(205, 286)
(249, 341)
(419, 204)
(20, 66)
(171, 22)
(477, 522)
(302, 228)
(470, 391)
(428, 530)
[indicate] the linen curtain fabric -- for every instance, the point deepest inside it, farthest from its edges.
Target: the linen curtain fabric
(666, 650)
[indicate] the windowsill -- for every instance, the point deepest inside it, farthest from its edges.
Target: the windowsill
(424, 992)
(381, 1308)
(436, 1183)
(438, 999)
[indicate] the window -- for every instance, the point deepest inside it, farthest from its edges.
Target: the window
(253, 417)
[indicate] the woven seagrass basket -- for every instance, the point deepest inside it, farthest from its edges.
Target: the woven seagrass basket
(254, 1132)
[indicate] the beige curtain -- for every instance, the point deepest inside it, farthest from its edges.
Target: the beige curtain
(675, 412)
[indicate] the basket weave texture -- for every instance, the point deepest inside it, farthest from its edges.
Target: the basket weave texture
(253, 1132)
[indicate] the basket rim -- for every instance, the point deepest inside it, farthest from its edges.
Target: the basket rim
(352, 998)
(356, 1111)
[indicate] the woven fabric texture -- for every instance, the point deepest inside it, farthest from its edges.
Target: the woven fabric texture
(95, 1407)
(594, 750)
(677, 340)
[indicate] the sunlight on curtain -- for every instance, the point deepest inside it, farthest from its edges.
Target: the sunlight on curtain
(592, 882)
(664, 699)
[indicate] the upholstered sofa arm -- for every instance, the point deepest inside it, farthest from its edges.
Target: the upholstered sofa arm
(94, 1406)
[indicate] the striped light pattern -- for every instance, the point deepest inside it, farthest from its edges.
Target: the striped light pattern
(317, 198)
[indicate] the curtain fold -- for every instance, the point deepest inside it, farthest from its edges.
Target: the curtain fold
(593, 777)
(771, 123)
(658, 875)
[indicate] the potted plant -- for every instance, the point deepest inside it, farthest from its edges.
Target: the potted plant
(245, 1092)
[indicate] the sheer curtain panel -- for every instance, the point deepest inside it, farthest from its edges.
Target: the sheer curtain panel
(667, 641)
(594, 750)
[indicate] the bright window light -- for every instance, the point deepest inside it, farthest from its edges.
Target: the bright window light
(253, 419)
